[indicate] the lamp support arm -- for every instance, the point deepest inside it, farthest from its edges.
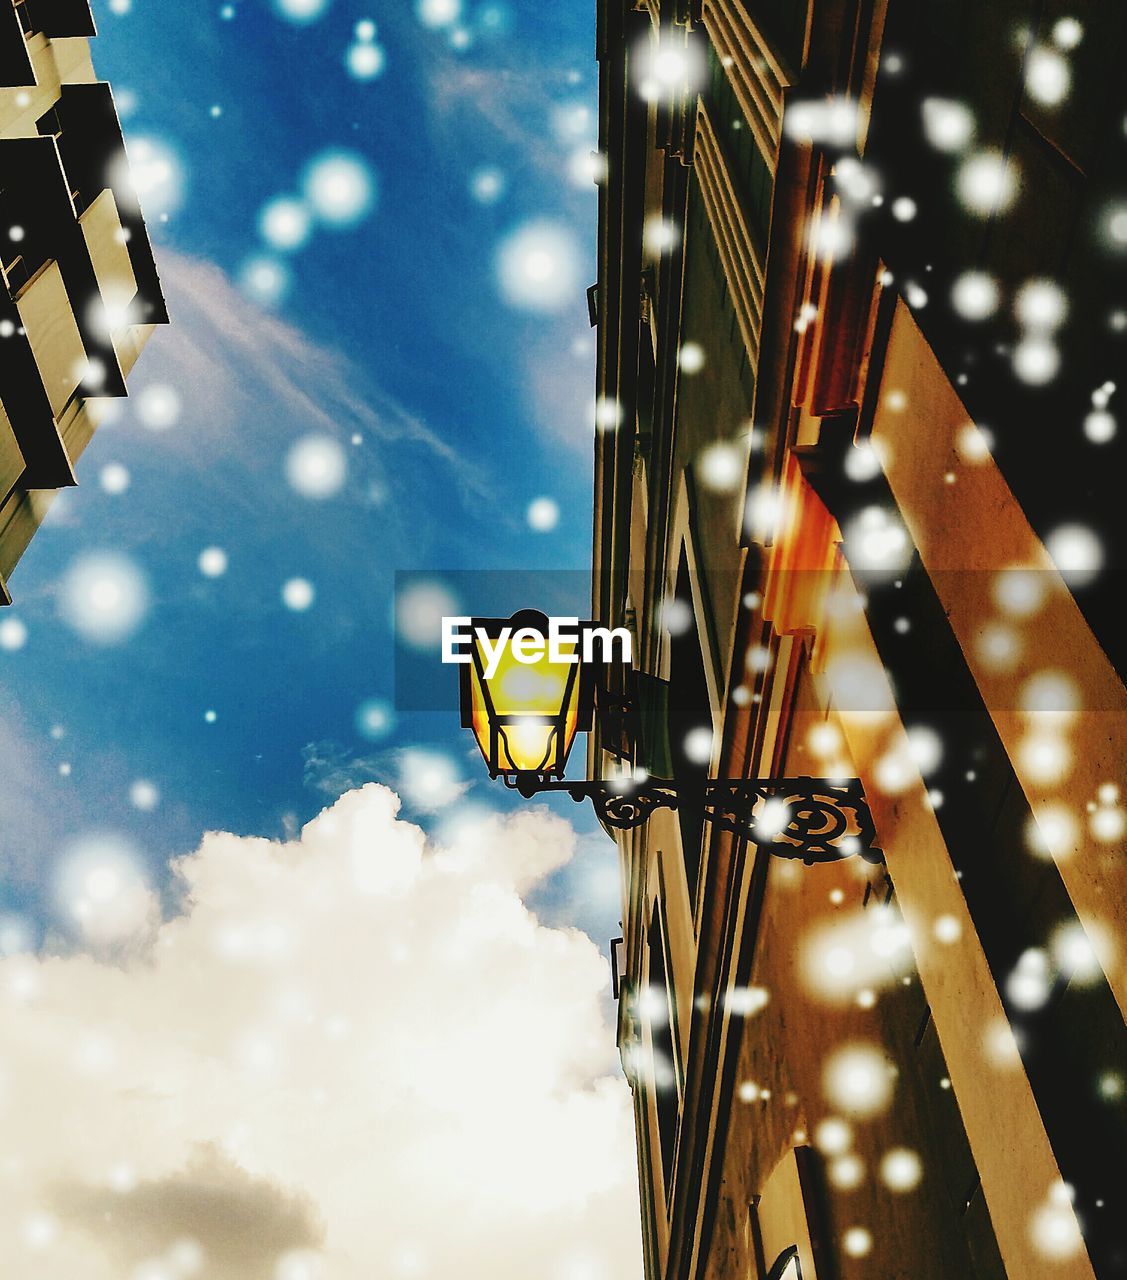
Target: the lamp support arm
(813, 819)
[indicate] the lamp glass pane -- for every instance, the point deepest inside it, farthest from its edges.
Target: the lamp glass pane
(527, 747)
(479, 714)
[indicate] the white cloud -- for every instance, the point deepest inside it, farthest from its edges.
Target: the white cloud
(428, 780)
(356, 1047)
(331, 769)
(244, 365)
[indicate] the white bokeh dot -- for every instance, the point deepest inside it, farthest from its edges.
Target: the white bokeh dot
(285, 223)
(419, 609)
(365, 61)
(144, 795)
(1048, 77)
(538, 266)
(299, 1264)
(863, 462)
(857, 1242)
(264, 280)
(948, 124)
(339, 187)
(1067, 33)
(698, 745)
(155, 172)
(103, 596)
(13, 634)
(1076, 551)
(40, 1230)
(1053, 1229)
(947, 929)
(659, 236)
(487, 185)
(1036, 360)
(1100, 426)
(300, 11)
(975, 295)
(158, 406)
(722, 466)
(374, 719)
(212, 562)
(691, 358)
(114, 478)
(987, 182)
(316, 467)
(101, 886)
(438, 13)
(1040, 305)
(857, 1079)
(1116, 224)
(543, 514)
(298, 594)
(607, 414)
(676, 615)
(901, 1169)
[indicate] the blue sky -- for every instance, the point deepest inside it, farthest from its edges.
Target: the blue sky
(456, 395)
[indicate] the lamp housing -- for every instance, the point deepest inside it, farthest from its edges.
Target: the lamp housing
(525, 714)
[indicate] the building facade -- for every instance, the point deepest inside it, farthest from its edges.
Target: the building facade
(862, 308)
(80, 291)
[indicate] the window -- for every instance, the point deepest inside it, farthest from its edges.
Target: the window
(690, 724)
(661, 1007)
(643, 437)
(741, 152)
(710, 311)
(786, 1266)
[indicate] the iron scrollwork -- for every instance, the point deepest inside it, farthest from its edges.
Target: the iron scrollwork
(624, 809)
(812, 819)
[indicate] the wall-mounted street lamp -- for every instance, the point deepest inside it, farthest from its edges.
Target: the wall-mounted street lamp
(525, 704)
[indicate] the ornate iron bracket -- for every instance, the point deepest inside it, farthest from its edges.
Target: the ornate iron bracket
(814, 819)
